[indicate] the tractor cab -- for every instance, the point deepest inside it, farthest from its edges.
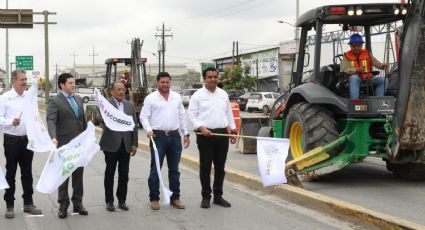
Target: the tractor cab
(325, 51)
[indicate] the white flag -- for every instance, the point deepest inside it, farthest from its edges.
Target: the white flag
(166, 192)
(114, 119)
(3, 182)
(38, 137)
(65, 160)
(271, 156)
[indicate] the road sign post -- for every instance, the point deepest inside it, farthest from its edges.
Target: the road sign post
(24, 62)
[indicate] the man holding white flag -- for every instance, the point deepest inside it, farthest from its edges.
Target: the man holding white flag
(68, 158)
(271, 156)
(162, 116)
(117, 145)
(66, 120)
(15, 144)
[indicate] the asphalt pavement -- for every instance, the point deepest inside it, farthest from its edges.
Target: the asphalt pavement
(250, 209)
(368, 184)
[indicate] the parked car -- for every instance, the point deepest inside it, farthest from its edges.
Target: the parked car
(243, 100)
(186, 95)
(234, 94)
(262, 101)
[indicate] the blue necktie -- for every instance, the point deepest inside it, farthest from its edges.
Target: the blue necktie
(73, 104)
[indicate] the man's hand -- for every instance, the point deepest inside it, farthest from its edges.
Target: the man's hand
(16, 121)
(186, 142)
(133, 150)
(359, 70)
(55, 141)
(206, 132)
(149, 134)
(384, 66)
(233, 137)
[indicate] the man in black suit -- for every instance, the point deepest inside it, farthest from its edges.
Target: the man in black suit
(118, 146)
(65, 121)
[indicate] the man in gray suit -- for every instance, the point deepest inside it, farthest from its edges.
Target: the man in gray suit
(66, 120)
(118, 146)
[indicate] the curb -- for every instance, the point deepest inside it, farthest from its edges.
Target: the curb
(305, 198)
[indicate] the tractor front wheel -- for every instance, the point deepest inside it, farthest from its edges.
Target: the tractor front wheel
(309, 126)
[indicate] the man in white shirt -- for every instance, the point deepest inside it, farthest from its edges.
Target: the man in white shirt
(210, 112)
(15, 144)
(162, 116)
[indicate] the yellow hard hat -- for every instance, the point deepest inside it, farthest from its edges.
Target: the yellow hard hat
(125, 71)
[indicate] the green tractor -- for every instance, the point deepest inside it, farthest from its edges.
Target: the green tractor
(328, 130)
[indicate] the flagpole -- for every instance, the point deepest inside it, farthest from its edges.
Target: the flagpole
(230, 135)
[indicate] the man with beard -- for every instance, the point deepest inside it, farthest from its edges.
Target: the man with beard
(162, 116)
(210, 112)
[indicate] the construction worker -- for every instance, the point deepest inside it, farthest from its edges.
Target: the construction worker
(126, 80)
(357, 64)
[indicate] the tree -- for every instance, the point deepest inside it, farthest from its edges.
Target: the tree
(237, 78)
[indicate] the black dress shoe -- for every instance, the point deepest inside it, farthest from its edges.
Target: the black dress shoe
(63, 213)
(32, 209)
(205, 203)
(81, 210)
(222, 202)
(110, 206)
(123, 206)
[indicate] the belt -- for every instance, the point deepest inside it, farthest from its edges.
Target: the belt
(218, 130)
(15, 137)
(165, 133)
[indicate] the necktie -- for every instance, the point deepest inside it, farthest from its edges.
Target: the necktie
(73, 105)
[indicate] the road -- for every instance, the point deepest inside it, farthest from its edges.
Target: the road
(367, 184)
(250, 209)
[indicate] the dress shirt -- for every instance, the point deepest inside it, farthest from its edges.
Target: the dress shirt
(166, 115)
(120, 104)
(211, 109)
(68, 99)
(11, 106)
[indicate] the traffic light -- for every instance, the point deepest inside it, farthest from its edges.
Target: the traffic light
(16, 18)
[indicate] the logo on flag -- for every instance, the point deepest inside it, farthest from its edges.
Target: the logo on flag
(114, 119)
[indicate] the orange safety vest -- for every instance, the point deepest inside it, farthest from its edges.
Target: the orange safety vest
(363, 60)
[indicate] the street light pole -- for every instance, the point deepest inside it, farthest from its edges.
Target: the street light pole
(11, 69)
(297, 14)
(6, 80)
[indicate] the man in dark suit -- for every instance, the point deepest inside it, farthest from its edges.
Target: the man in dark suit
(65, 121)
(118, 146)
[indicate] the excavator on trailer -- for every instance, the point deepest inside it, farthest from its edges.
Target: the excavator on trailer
(327, 129)
(136, 84)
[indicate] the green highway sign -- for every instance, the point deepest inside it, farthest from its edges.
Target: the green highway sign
(24, 62)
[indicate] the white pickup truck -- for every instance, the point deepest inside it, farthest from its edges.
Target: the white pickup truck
(87, 94)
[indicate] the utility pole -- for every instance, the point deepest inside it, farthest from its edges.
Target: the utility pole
(237, 52)
(233, 54)
(6, 80)
(161, 48)
(93, 54)
(297, 14)
(74, 55)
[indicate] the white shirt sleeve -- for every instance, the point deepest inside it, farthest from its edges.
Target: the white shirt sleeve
(3, 120)
(193, 111)
(182, 117)
(230, 119)
(145, 115)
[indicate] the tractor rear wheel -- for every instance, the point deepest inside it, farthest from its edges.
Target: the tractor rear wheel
(309, 126)
(407, 171)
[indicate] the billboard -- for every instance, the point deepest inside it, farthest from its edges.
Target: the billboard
(268, 63)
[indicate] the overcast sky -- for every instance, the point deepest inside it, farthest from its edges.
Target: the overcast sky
(202, 29)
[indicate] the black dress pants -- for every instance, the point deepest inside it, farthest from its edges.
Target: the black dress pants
(122, 158)
(212, 150)
(16, 153)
